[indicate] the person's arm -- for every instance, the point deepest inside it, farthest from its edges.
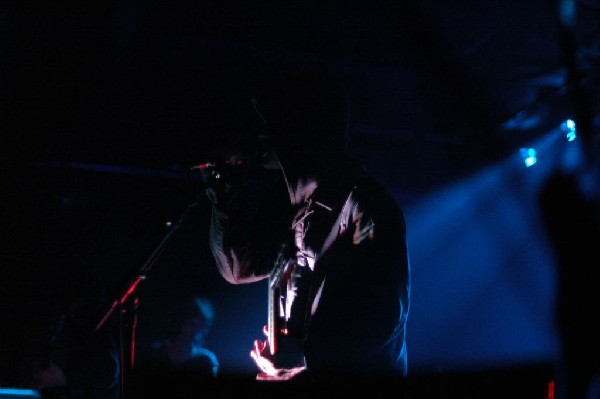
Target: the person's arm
(233, 262)
(246, 228)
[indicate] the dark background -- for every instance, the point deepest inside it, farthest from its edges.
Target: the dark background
(106, 104)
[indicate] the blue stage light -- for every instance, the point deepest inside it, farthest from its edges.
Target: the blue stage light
(570, 129)
(529, 156)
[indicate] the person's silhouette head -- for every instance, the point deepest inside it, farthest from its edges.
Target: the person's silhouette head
(306, 116)
(191, 319)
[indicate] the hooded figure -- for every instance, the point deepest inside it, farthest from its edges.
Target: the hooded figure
(343, 303)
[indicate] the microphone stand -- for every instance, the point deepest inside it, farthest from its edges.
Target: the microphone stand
(127, 303)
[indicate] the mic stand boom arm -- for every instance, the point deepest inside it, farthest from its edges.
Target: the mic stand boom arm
(127, 303)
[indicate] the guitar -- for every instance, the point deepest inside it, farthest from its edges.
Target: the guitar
(277, 280)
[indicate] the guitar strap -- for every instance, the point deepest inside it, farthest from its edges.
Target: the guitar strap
(307, 284)
(340, 225)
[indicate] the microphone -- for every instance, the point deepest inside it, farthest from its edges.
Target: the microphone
(203, 166)
(231, 162)
(224, 172)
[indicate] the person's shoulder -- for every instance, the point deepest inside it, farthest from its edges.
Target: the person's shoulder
(371, 200)
(202, 352)
(203, 360)
(369, 190)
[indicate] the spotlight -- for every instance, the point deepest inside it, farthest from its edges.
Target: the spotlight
(570, 129)
(529, 156)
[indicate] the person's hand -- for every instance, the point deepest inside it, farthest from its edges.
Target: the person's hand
(223, 181)
(287, 363)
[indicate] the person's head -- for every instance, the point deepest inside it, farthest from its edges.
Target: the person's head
(191, 319)
(306, 116)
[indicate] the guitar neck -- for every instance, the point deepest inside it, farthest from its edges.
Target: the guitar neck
(275, 322)
(273, 319)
